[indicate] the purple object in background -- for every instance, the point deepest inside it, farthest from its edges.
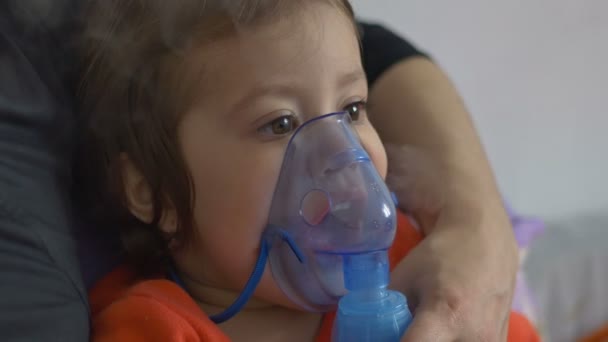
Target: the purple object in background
(526, 230)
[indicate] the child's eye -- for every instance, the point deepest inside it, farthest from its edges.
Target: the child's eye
(355, 109)
(280, 126)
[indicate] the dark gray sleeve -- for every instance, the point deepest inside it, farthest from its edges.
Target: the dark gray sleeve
(42, 297)
(382, 48)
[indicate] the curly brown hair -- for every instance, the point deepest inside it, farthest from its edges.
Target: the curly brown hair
(135, 82)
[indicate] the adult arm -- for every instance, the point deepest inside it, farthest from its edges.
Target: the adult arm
(461, 277)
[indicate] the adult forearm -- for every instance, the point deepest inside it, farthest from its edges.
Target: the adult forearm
(415, 104)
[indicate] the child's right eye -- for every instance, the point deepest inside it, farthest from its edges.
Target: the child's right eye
(281, 126)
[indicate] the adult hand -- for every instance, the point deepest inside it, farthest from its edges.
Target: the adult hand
(459, 281)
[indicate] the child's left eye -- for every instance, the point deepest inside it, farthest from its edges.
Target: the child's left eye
(355, 109)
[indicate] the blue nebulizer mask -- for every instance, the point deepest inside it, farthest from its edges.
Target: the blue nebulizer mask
(331, 223)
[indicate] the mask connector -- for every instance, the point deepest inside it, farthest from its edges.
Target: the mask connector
(370, 311)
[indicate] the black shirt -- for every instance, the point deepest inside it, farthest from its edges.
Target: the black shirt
(381, 49)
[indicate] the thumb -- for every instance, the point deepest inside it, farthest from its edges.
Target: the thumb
(429, 325)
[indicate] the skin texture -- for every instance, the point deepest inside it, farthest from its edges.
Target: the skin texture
(308, 66)
(461, 277)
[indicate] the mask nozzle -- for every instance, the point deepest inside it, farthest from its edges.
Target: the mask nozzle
(369, 311)
(363, 272)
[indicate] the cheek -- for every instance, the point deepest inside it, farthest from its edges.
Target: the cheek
(233, 194)
(374, 147)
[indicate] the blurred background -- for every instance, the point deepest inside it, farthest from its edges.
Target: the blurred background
(534, 76)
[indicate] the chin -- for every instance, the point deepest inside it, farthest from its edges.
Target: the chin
(270, 293)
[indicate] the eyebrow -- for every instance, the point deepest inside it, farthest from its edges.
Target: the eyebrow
(262, 91)
(288, 89)
(351, 77)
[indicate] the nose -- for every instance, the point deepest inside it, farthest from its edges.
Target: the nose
(335, 143)
(345, 158)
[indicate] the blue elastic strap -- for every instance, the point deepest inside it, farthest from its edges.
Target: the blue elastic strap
(395, 199)
(252, 283)
(242, 299)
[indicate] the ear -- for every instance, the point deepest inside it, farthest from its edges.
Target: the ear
(140, 199)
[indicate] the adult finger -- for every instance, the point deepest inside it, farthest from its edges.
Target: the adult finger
(504, 332)
(430, 325)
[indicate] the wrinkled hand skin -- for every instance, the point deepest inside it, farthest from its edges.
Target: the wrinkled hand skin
(460, 280)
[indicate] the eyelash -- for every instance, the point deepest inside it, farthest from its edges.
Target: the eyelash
(268, 129)
(359, 107)
(354, 109)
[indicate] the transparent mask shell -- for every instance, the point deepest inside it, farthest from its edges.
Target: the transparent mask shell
(329, 202)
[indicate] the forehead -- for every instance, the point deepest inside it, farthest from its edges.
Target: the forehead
(313, 43)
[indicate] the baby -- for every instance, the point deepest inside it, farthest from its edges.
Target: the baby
(192, 106)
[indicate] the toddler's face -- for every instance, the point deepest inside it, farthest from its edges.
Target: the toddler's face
(258, 87)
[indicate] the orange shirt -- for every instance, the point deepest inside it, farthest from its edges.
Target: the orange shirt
(125, 308)
(599, 336)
